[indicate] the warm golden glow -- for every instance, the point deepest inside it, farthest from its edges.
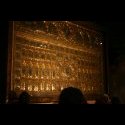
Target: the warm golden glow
(51, 55)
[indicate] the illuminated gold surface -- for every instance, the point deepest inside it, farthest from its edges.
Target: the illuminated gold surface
(51, 55)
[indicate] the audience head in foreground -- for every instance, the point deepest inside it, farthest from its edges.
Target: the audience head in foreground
(71, 95)
(24, 98)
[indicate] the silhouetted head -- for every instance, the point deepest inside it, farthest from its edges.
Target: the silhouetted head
(71, 95)
(24, 98)
(115, 100)
(103, 99)
(12, 97)
(100, 101)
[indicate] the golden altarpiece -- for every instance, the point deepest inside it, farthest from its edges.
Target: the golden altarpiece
(48, 56)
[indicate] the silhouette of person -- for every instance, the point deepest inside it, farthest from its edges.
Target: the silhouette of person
(71, 95)
(100, 100)
(12, 97)
(115, 100)
(103, 99)
(24, 98)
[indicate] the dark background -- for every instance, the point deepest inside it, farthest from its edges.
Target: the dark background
(4, 28)
(114, 52)
(115, 45)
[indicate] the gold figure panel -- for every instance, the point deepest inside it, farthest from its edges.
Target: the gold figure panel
(49, 56)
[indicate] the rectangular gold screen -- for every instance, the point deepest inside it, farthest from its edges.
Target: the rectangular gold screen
(48, 56)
